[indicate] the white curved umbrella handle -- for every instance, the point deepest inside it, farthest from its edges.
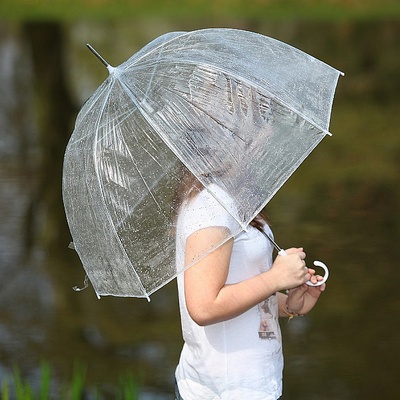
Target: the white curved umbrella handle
(326, 276)
(317, 264)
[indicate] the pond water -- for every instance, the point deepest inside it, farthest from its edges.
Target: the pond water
(342, 205)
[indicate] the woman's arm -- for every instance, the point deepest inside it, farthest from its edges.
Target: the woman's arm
(209, 299)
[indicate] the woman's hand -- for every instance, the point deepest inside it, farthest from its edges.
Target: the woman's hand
(292, 273)
(290, 270)
(302, 299)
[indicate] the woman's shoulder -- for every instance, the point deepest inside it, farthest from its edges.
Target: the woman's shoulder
(211, 207)
(214, 194)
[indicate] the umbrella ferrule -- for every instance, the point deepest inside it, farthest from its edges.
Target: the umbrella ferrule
(94, 51)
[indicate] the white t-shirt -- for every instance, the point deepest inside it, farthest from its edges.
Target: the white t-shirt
(240, 358)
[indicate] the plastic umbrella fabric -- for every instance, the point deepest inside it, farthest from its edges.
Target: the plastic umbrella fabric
(235, 111)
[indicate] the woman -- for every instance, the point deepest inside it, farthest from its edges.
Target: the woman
(230, 301)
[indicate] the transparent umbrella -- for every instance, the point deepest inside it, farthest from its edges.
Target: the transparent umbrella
(235, 111)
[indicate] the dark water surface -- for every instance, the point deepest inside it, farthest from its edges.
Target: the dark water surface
(342, 205)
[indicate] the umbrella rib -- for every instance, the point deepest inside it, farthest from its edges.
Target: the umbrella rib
(138, 171)
(101, 113)
(150, 140)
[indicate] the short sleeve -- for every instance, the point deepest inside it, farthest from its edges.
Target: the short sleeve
(204, 211)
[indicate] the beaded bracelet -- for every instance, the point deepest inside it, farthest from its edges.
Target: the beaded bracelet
(290, 313)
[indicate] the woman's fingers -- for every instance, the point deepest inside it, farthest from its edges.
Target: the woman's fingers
(295, 250)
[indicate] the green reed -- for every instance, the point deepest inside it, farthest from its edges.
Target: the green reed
(19, 388)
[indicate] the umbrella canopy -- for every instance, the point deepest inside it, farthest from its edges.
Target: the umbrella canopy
(235, 111)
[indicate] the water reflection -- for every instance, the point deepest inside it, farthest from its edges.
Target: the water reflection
(350, 342)
(342, 205)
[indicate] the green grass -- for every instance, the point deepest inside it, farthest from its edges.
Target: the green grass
(19, 388)
(273, 9)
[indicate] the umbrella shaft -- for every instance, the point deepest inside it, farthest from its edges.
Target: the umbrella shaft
(277, 247)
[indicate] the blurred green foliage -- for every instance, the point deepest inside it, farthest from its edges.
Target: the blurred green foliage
(272, 9)
(20, 388)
